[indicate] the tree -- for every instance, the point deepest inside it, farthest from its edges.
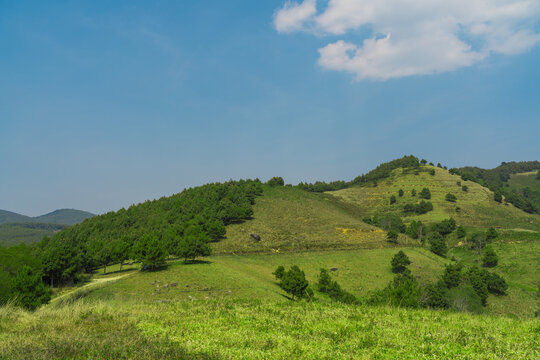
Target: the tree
(400, 192)
(121, 250)
(413, 192)
(402, 291)
(276, 181)
(278, 273)
(423, 161)
(445, 227)
(490, 258)
(497, 196)
(392, 199)
(491, 234)
(194, 243)
(478, 281)
(435, 296)
(496, 284)
(437, 244)
(325, 281)
(30, 290)
(294, 282)
(399, 262)
(465, 188)
(451, 198)
(415, 229)
(150, 251)
(452, 275)
(538, 175)
(425, 194)
(423, 207)
(432, 172)
(392, 236)
(461, 232)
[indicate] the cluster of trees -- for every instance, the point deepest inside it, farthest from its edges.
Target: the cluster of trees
(321, 186)
(496, 179)
(458, 288)
(422, 207)
(331, 287)
(21, 278)
(451, 198)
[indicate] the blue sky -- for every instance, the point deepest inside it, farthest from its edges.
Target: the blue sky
(104, 104)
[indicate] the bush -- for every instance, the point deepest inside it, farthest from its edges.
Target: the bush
(435, 296)
(294, 283)
(432, 172)
(333, 289)
(399, 262)
(30, 290)
(464, 299)
(451, 198)
(461, 232)
(465, 188)
(478, 282)
(400, 192)
(437, 244)
(276, 181)
(392, 236)
(402, 291)
(393, 199)
(491, 234)
(415, 229)
(425, 194)
(445, 227)
(387, 222)
(413, 192)
(497, 196)
(496, 284)
(490, 258)
(278, 273)
(452, 275)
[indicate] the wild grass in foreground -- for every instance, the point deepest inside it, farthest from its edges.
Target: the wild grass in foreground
(259, 330)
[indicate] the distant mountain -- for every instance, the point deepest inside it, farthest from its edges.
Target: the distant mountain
(11, 217)
(16, 228)
(64, 217)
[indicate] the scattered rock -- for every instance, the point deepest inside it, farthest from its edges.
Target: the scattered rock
(242, 230)
(166, 285)
(187, 285)
(174, 284)
(255, 237)
(205, 289)
(334, 269)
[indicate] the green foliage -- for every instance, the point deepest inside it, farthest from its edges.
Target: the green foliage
(490, 258)
(400, 192)
(478, 241)
(276, 181)
(393, 199)
(150, 251)
(321, 186)
(392, 236)
(425, 194)
(422, 207)
(278, 273)
(461, 232)
(435, 296)
(452, 275)
(399, 262)
(194, 243)
(385, 170)
(387, 222)
(451, 198)
(403, 291)
(496, 284)
(445, 227)
(465, 188)
(327, 286)
(294, 283)
(29, 289)
(432, 172)
(497, 196)
(464, 298)
(415, 229)
(413, 192)
(491, 234)
(437, 244)
(477, 279)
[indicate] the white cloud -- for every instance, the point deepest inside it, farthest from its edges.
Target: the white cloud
(413, 37)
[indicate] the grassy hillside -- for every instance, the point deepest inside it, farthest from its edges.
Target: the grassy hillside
(290, 219)
(64, 217)
(27, 233)
(520, 182)
(474, 208)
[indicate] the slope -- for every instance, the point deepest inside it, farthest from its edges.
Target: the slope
(474, 208)
(27, 233)
(526, 184)
(11, 217)
(291, 219)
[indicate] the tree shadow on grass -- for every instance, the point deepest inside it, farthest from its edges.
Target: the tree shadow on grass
(193, 262)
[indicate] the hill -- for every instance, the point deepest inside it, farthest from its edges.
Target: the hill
(474, 208)
(11, 217)
(64, 217)
(16, 228)
(526, 184)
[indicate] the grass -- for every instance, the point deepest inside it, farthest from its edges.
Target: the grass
(254, 329)
(477, 209)
(290, 219)
(527, 180)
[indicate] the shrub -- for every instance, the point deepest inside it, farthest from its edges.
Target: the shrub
(392, 236)
(423, 207)
(461, 232)
(30, 290)
(490, 258)
(432, 172)
(402, 291)
(413, 192)
(399, 262)
(452, 275)
(276, 181)
(393, 199)
(445, 227)
(464, 299)
(387, 222)
(278, 273)
(465, 188)
(425, 194)
(497, 196)
(400, 192)
(415, 229)
(478, 282)
(435, 296)
(491, 234)
(458, 183)
(333, 289)
(478, 241)
(496, 284)
(437, 244)
(451, 198)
